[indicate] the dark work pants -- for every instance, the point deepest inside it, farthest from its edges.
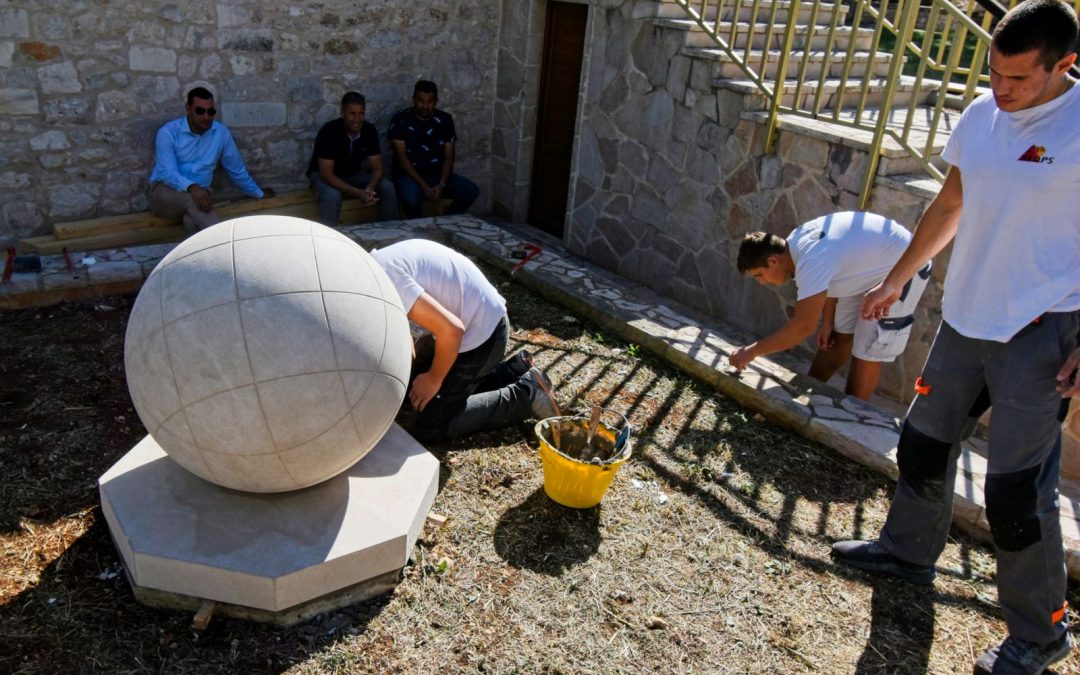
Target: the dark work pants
(480, 392)
(1024, 457)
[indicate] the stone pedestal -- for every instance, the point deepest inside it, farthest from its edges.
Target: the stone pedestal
(271, 557)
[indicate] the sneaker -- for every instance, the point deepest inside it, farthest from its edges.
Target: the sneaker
(543, 401)
(870, 556)
(1022, 657)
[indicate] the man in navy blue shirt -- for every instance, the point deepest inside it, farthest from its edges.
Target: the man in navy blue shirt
(337, 170)
(423, 138)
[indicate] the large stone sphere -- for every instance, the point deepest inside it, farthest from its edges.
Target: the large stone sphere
(267, 353)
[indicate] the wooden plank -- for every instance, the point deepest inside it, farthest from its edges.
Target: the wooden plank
(143, 235)
(203, 616)
(131, 221)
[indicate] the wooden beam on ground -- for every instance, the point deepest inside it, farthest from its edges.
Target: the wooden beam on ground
(203, 616)
(49, 245)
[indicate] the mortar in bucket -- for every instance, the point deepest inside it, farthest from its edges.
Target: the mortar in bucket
(578, 469)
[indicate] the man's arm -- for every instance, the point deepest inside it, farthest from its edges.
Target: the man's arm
(447, 330)
(234, 166)
(825, 339)
(447, 169)
(936, 229)
(1068, 378)
(376, 174)
(405, 165)
(166, 168)
(800, 327)
(327, 175)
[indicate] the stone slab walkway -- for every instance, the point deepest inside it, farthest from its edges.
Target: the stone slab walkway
(694, 343)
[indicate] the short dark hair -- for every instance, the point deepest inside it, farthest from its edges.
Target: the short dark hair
(755, 249)
(1049, 26)
(199, 92)
(425, 87)
(353, 98)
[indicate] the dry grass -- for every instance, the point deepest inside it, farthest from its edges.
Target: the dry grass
(708, 554)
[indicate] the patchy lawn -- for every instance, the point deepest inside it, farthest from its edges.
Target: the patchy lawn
(708, 554)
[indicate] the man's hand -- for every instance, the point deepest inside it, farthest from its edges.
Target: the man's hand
(741, 358)
(268, 193)
(826, 337)
(876, 302)
(432, 191)
(201, 197)
(367, 196)
(424, 388)
(1067, 376)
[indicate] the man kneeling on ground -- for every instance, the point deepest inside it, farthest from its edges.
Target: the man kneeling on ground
(834, 260)
(459, 382)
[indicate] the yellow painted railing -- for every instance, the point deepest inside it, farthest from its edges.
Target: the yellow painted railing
(890, 68)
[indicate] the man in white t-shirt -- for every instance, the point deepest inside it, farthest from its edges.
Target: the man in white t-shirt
(834, 260)
(1010, 318)
(458, 384)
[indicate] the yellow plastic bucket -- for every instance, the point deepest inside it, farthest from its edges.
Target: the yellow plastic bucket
(570, 481)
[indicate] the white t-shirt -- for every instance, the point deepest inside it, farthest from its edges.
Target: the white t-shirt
(418, 266)
(1017, 248)
(845, 253)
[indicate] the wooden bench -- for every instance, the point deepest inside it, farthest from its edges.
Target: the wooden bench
(145, 228)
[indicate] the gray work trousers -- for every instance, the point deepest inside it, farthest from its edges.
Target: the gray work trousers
(1024, 458)
(169, 203)
(330, 198)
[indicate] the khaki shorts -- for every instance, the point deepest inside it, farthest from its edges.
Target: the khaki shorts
(884, 339)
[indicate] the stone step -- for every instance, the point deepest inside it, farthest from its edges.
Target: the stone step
(743, 10)
(738, 34)
(862, 63)
(895, 158)
(833, 95)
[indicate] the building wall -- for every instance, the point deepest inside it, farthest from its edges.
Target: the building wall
(670, 173)
(84, 86)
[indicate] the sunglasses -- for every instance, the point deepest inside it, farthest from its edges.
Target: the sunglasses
(211, 111)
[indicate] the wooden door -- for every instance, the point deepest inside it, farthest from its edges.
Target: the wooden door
(560, 77)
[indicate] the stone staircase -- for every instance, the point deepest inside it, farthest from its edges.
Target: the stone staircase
(749, 35)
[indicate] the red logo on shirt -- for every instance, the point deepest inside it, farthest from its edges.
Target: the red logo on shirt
(1035, 154)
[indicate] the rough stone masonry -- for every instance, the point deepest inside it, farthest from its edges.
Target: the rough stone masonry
(85, 84)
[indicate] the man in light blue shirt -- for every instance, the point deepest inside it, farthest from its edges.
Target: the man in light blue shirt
(188, 150)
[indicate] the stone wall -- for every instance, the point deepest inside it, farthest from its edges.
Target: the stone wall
(671, 173)
(84, 86)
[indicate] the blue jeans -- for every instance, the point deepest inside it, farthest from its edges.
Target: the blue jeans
(330, 198)
(480, 392)
(461, 190)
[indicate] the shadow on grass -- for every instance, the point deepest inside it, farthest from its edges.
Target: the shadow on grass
(901, 629)
(544, 537)
(81, 616)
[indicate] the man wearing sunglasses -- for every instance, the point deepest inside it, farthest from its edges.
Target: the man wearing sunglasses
(187, 151)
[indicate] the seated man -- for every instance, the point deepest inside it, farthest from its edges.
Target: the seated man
(834, 260)
(187, 151)
(423, 139)
(458, 384)
(337, 164)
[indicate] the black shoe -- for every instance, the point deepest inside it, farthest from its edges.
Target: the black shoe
(521, 362)
(1020, 657)
(869, 556)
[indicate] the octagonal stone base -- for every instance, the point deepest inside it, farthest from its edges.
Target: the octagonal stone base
(270, 557)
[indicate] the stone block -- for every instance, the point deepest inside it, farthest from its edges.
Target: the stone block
(65, 110)
(21, 218)
(36, 51)
(231, 16)
(254, 114)
(10, 180)
(803, 150)
(18, 102)
(179, 534)
(50, 140)
(67, 201)
(7, 50)
(14, 23)
(59, 78)
(116, 105)
(152, 59)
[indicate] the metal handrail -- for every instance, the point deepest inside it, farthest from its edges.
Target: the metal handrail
(875, 69)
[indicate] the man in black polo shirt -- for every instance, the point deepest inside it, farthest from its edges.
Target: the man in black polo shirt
(337, 164)
(423, 139)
